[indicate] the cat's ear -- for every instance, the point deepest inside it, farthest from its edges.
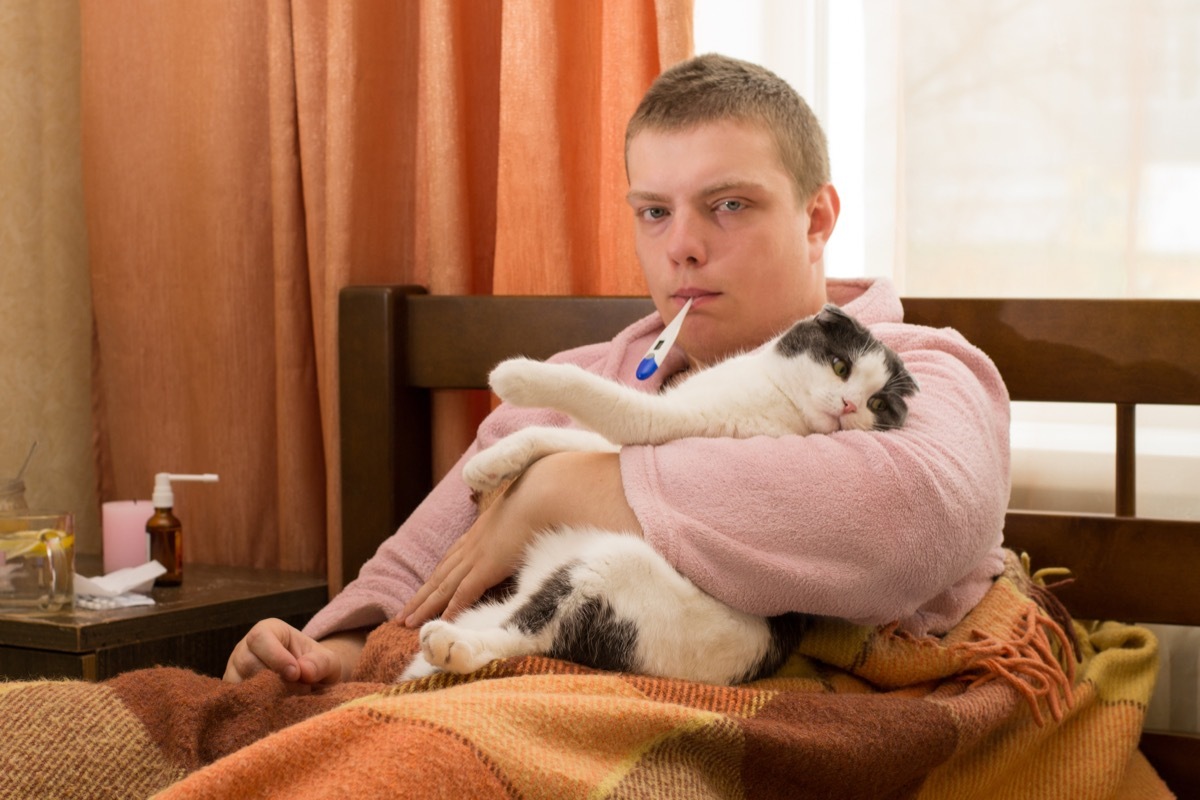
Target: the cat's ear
(831, 315)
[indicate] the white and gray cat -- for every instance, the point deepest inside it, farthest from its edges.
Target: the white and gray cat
(608, 600)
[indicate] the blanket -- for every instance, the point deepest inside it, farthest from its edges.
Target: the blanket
(1017, 701)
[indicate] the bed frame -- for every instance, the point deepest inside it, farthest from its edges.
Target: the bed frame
(398, 343)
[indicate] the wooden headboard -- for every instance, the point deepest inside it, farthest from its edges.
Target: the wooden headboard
(398, 343)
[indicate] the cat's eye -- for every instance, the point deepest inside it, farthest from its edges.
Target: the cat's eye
(877, 404)
(840, 368)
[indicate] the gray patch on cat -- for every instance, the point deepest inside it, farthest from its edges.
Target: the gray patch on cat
(542, 605)
(590, 635)
(786, 632)
(832, 333)
(594, 636)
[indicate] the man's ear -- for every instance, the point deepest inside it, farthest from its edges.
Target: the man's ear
(823, 209)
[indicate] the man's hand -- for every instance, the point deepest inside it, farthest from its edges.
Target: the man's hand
(274, 645)
(560, 489)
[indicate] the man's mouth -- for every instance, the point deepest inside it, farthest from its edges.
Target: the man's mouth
(697, 296)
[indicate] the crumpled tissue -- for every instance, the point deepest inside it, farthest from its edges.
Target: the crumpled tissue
(121, 588)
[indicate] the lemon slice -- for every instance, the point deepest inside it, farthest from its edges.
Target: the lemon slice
(32, 543)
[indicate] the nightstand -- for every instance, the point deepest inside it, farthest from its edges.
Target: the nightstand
(195, 625)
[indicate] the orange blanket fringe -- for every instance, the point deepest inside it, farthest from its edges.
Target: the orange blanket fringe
(1027, 662)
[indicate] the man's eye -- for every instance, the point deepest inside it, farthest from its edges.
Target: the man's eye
(731, 205)
(653, 213)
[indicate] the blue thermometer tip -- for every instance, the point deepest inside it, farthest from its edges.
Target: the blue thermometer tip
(647, 368)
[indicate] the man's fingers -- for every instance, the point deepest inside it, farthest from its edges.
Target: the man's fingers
(427, 595)
(432, 605)
(319, 665)
(408, 613)
(434, 601)
(266, 646)
(276, 647)
(242, 664)
(465, 596)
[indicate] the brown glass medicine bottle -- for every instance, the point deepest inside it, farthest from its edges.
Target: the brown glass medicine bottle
(166, 545)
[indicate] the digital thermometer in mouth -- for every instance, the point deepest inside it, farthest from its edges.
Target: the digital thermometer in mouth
(662, 345)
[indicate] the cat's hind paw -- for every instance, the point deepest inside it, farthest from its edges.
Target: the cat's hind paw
(451, 648)
(489, 469)
(417, 668)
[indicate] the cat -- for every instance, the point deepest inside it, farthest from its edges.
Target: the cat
(606, 599)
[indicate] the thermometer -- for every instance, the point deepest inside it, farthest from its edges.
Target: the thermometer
(658, 350)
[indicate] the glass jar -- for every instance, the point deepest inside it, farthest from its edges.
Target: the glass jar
(37, 561)
(12, 495)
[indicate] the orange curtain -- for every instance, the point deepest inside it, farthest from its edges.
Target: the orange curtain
(243, 162)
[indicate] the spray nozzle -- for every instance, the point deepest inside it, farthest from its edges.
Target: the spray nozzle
(163, 496)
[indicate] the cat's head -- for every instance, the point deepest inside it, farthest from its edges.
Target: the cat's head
(858, 381)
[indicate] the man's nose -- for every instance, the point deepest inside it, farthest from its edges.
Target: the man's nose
(686, 245)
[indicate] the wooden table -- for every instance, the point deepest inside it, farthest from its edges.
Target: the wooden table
(194, 625)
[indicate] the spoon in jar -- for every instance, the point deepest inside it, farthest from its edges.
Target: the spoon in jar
(21, 471)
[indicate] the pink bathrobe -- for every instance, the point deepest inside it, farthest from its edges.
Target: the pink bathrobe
(903, 526)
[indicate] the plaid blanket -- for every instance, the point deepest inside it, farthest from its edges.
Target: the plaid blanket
(1018, 701)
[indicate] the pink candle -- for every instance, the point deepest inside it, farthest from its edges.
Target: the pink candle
(125, 540)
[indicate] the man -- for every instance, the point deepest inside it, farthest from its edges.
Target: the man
(732, 206)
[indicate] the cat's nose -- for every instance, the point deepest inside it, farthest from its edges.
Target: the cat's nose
(848, 407)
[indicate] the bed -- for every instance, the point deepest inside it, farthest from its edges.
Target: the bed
(395, 351)
(1018, 700)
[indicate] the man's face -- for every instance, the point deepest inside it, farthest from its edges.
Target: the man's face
(717, 220)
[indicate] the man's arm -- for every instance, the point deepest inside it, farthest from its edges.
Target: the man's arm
(560, 489)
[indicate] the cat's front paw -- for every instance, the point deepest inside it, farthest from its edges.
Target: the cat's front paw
(525, 382)
(451, 648)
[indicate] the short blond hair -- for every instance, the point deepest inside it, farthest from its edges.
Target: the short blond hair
(713, 88)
